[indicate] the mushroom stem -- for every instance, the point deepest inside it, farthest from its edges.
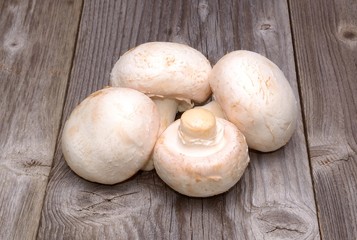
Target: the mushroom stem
(167, 110)
(214, 108)
(199, 127)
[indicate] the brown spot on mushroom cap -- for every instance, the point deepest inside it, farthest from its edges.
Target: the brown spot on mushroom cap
(170, 60)
(73, 130)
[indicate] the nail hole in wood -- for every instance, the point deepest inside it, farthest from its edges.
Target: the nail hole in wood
(265, 26)
(350, 35)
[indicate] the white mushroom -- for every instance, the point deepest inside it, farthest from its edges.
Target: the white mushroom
(110, 135)
(214, 108)
(201, 155)
(172, 74)
(255, 95)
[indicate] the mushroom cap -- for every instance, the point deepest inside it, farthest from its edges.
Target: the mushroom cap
(164, 69)
(255, 96)
(110, 135)
(201, 170)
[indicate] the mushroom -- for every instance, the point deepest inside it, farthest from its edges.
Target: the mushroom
(214, 108)
(201, 155)
(255, 95)
(174, 75)
(110, 135)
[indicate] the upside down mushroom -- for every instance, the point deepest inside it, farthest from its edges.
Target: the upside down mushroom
(200, 155)
(110, 135)
(174, 75)
(255, 95)
(214, 108)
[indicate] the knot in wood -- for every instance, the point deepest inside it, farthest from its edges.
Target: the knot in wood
(351, 35)
(347, 33)
(284, 222)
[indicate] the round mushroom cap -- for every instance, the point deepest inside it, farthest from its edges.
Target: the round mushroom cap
(164, 69)
(255, 96)
(200, 170)
(110, 135)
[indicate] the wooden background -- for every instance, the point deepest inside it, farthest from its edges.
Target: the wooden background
(55, 53)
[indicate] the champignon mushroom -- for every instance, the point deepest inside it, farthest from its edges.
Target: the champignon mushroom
(172, 74)
(110, 135)
(200, 155)
(214, 108)
(255, 95)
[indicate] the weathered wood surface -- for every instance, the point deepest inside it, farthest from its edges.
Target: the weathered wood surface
(37, 40)
(274, 199)
(325, 34)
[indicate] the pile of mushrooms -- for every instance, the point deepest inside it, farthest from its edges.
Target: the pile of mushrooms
(131, 126)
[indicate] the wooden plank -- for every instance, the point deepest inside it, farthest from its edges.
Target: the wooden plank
(36, 47)
(274, 199)
(325, 37)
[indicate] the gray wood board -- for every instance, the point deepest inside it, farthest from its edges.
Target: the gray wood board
(274, 199)
(36, 49)
(325, 36)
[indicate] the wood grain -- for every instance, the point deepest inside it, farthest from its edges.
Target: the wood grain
(274, 199)
(36, 47)
(326, 50)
